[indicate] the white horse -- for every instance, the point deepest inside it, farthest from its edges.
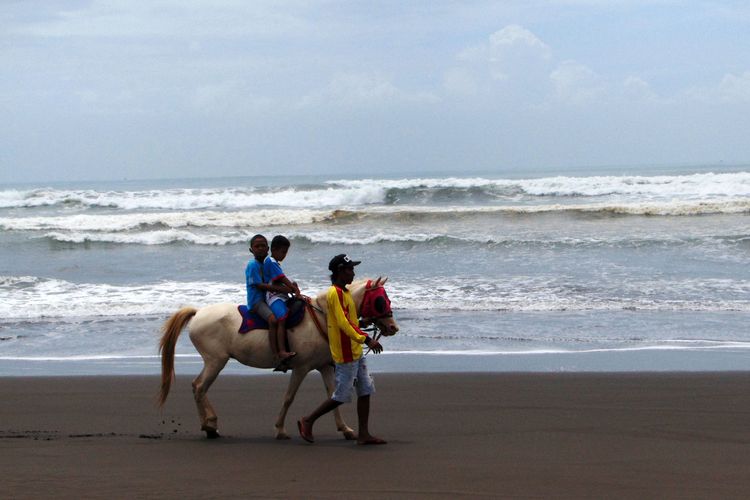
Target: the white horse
(214, 333)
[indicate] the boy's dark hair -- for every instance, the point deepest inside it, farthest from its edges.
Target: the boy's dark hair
(252, 240)
(279, 241)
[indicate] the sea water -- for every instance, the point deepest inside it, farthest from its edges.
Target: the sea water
(579, 270)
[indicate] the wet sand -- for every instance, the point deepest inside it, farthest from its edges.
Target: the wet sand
(678, 435)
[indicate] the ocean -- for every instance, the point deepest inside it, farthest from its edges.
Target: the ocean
(601, 270)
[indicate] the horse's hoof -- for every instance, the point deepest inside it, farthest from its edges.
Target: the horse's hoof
(282, 436)
(212, 434)
(350, 435)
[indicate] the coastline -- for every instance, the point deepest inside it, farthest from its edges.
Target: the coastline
(575, 435)
(594, 361)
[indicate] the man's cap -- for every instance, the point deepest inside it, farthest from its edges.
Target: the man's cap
(342, 260)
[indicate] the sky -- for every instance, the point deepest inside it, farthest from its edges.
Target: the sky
(120, 89)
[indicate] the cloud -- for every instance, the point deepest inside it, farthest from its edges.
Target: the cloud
(732, 89)
(460, 81)
(517, 52)
(514, 36)
(502, 79)
(167, 18)
(735, 88)
(575, 83)
(355, 89)
(509, 68)
(512, 51)
(636, 88)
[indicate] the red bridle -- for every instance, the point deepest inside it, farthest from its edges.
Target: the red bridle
(375, 303)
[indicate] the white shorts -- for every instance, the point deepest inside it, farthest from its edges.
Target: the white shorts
(349, 376)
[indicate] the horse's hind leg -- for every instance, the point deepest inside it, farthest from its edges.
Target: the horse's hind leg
(202, 382)
(298, 375)
(329, 379)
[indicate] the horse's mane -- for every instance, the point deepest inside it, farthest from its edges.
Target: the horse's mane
(321, 297)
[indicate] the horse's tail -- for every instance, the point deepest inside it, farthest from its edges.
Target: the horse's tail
(171, 329)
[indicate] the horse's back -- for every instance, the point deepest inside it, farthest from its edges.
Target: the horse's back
(215, 320)
(214, 333)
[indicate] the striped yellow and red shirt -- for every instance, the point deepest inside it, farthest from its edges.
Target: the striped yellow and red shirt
(344, 336)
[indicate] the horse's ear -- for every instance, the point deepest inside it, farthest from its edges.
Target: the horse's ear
(384, 280)
(377, 283)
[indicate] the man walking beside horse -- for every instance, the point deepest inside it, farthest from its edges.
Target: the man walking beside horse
(345, 340)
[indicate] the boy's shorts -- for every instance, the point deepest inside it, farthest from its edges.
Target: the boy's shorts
(262, 310)
(279, 309)
(349, 376)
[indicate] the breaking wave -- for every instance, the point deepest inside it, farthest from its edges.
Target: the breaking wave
(708, 187)
(94, 225)
(34, 298)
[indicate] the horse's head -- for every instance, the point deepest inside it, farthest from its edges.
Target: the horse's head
(376, 307)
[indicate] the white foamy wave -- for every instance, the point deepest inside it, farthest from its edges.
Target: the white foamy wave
(678, 187)
(353, 193)
(526, 294)
(163, 237)
(218, 238)
(337, 237)
(194, 199)
(732, 206)
(675, 208)
(222, 228)
(99, 357)
(175, 220)
(18, 281)
(661, 345)
(365, 237)
(695, 186)
(31, 298)
(428, 183)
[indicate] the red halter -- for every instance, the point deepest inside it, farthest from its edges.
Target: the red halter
(375, 303)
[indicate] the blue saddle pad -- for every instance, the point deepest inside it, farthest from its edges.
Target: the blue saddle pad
(251, 321)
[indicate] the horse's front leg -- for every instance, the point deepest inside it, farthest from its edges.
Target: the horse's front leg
(329, 379)
(298, 375)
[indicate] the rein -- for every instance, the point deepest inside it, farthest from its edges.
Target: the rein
(312, 309)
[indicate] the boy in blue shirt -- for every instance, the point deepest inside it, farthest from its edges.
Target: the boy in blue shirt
(257, 287)
(279, 288)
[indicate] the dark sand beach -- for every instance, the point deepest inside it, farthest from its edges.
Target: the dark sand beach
(450, 436)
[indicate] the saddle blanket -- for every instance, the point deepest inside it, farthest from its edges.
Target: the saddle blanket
(251, 321)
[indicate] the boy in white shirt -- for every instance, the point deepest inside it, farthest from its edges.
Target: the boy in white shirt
(279, 288)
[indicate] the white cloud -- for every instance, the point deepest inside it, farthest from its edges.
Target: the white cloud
(516, 52)
(124, 18)
(460, 81)
(239, 67)
(511, 51)
(576, 83)
(636, 88)
(514, 36)
(731, 89)
(352, 89)
(735, 88)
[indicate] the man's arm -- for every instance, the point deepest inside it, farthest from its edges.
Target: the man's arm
(336, 310)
